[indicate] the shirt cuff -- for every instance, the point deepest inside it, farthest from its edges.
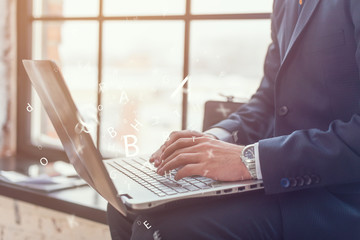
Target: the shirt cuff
(221, 134)
(257, 161)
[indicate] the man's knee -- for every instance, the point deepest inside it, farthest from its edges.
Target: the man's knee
(120, 226)
(246, 217)
(164, 226)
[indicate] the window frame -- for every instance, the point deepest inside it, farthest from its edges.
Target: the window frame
(25, 21)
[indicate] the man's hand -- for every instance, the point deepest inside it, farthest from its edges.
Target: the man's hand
(171, 139)
(200, 154)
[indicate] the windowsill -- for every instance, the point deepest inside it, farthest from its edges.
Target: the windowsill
(81, 201)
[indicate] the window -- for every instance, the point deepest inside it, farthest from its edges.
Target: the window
(125, 62)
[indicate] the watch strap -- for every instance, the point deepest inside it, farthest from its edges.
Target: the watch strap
(249, 162)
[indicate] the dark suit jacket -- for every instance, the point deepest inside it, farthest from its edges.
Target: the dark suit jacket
(306, 117)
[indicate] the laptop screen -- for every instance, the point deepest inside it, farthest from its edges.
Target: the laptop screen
(70, 127)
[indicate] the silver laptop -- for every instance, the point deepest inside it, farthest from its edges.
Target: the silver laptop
(128, 184)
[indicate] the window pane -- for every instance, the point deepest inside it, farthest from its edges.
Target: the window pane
(143, 7)
(73, 45)
(66, 8)
(142, 68)
(230, 6)
(225, 57)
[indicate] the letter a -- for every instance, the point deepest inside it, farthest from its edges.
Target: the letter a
(123, 98)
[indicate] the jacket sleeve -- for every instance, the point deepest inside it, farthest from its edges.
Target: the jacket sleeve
(315, 158)
(254, 120)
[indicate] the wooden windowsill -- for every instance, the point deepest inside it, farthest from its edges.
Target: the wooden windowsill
(81, 201)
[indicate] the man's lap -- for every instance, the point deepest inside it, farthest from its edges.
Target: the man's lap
(241, 216)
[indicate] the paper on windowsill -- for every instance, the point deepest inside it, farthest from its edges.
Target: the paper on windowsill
(42, 183)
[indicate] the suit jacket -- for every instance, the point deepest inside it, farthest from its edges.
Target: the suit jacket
(306, 117)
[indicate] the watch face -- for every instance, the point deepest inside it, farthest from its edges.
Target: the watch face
(249, 153)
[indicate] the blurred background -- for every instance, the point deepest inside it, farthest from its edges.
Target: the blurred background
(126, 60)
(134, 67)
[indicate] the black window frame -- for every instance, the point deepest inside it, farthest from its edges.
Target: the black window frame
(25, 21)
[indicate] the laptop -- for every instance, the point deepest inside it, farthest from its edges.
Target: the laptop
(128, 184)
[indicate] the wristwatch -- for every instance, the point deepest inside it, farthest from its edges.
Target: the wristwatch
(248, 158)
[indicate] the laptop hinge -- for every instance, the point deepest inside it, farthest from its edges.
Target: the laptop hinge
(124, 195)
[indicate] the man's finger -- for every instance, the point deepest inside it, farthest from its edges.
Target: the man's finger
(183, 143)
(155, 157)
(191, 149)
(178, 144)
(152, 157)
(188, 170)
(182, 134)
(180, 160)
(201, 146)
(172, 138)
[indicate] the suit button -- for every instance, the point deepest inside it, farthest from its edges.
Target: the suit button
(315, 179)
(285, 183)
(283, 110)
(307, 180)
(293, 182)
(300, 181)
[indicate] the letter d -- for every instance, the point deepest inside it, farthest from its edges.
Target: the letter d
(29, 108)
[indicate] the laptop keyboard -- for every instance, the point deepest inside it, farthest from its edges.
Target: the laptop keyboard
(140, 170)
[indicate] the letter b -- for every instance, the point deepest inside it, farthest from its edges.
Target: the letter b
(112, 132)
(128, 145)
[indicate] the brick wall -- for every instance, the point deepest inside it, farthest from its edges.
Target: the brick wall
(23, 221)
